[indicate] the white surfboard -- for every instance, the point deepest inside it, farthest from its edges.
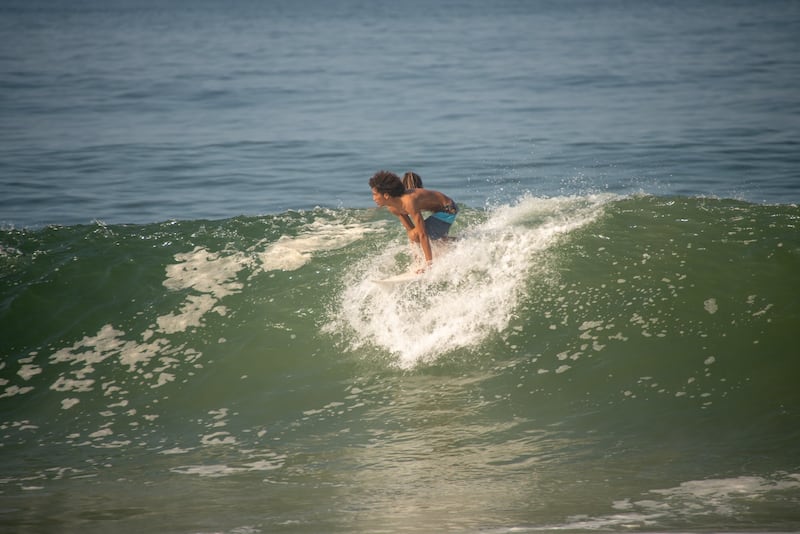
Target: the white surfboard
(403, 278)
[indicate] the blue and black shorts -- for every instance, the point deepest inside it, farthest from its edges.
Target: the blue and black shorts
(438, 224)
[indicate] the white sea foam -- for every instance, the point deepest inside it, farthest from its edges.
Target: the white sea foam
(206, 272)
(290, 253)
(222, 470)
(66, 404)
(28, 371)
(212, 274)
(470, 291)
(15, 390)
(215, 275)
(725, 497)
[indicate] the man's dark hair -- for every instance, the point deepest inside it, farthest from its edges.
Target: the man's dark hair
(387, 182)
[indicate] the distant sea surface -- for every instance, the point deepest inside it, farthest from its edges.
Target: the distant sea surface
(148, 111)
(190, 337)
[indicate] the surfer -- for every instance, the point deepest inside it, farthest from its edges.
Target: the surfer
(408, 204)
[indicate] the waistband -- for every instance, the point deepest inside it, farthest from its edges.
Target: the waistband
(448, 213)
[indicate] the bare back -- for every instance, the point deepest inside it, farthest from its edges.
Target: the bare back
(417, 200)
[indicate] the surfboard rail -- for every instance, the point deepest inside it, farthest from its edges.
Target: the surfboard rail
(402, 278)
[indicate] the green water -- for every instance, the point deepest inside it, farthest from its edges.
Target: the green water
(575, 363)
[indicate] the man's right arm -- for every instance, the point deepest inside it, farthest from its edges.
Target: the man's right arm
(405, 220)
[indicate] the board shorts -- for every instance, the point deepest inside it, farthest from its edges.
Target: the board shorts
(438, 224)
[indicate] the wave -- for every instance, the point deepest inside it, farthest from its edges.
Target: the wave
(647, 341)
(667, 298)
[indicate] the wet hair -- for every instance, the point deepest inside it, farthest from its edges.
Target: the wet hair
(411, 180)
(387, 182)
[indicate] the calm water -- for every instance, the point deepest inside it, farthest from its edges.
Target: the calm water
(148, 111)
(190, 340)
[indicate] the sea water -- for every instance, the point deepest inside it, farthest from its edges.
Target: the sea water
(190, 340)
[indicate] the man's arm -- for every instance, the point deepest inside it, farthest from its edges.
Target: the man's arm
(405, 220)
(413, 204)
(422, 236)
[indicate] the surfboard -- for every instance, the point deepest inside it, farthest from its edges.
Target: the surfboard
(403, 278)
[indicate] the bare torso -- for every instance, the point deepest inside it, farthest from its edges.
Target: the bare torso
(416, 200)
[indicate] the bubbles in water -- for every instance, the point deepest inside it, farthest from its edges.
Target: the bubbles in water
(470, 291)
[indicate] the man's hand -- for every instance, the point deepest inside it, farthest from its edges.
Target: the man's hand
(422, 269)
